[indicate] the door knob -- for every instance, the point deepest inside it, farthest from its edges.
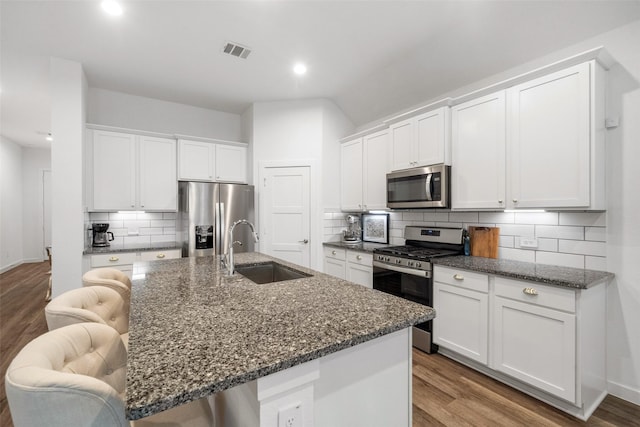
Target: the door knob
(305, 241)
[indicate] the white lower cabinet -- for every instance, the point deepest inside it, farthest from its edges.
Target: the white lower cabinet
(123, 261)
(462, 313)
(547, 341)
(354, 266)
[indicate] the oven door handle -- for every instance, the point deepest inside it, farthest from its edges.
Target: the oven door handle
(405, 270)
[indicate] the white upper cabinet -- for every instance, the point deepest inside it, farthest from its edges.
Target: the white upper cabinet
(478, 153)
(421, 140)
(196, 160)
(364, 166)
(114, 170)
(132, 172)
(544, 138)
(208, 161)
(550, 140)
(231, 163)
(158, 187)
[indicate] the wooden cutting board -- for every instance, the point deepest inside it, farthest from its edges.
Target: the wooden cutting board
(484, 241)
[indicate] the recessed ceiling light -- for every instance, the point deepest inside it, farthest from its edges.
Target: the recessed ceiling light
(112, 7)
(49, 137)
(300, 68)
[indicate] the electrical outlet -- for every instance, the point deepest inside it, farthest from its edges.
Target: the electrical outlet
(290, 416)
(529, 243)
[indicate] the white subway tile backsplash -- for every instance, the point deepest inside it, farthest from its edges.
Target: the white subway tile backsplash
(598, 219)
(557, 258)
(169, 215)
(136, 224)
(162, 223)
(99, 216)
(115, 224)
(148, 231)
(413, 216)
(395, 216)
(435, 216)
(506, 241)
(516, 254)
(597, 234)
(169, 230)
(583, 247)
(163, 238)
(516, 230)
(137, 240)
(119, 232)
(149, 216)
(595, 263)
(496, 217)
(549, 218)
(115, 216)
(463, 217)
(449, 224)
(560, 232)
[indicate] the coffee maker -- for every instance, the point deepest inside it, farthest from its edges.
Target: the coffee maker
(101, 237)
(353, 232)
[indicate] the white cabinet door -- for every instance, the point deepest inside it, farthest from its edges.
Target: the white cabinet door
(550, 140)
(158, 187)
(114, 170)
(334, 267)
(360, 274)
(402, 135)
(231, 163)
(196, 160)
(432, 137)
(462, 321)
(375, 167)
(536, 345)
(478, 153)
(351, 175)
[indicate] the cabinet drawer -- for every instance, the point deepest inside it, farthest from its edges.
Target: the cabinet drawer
(360, 258)
(336, 253)
(462, 278)
(159, 255)
(535, 293)
(108, 260)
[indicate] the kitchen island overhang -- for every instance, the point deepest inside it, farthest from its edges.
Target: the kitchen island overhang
(195, 332)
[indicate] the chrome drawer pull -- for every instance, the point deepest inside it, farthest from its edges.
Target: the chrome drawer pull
(114, 258)
(530, 291)
(160, 256)
(358, 257)
(333, 252)
(458, 276)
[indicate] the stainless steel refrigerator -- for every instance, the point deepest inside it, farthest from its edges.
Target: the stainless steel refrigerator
(206, 210)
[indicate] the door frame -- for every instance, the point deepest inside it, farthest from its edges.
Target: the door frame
(41, 212)
(315, 214)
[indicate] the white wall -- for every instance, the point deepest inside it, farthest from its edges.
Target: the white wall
(35, 161)
(11, 190)
(118, 109)
(68, 88)
(302, 130)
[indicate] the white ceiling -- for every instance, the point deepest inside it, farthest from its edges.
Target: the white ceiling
(371, 57)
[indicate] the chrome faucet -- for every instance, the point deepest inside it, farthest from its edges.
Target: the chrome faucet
(230, 264)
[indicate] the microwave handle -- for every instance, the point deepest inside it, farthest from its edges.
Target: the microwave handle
(428, 186)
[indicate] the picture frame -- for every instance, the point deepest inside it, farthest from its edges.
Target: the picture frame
(375, 228)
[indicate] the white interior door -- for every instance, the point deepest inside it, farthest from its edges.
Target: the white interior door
(286, 213)
(46, 211)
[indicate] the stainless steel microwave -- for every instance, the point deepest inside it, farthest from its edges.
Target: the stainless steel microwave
(425, 187)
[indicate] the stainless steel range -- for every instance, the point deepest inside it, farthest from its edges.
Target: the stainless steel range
(406, 271)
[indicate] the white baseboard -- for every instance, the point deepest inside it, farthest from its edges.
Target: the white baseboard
(624, 392)
(11, 266)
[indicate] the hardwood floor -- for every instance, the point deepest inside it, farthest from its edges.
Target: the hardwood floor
(445, 393)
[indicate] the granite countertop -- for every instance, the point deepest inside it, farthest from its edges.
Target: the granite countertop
(567, 277)
(131, 248)
(194, 331)
(360, 246)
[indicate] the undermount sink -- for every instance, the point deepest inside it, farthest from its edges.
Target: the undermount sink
(269, 272)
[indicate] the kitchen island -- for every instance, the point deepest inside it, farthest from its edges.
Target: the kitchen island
(338, 352)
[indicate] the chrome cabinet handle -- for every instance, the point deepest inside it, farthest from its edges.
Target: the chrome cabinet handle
(500, 201)
(530, 291)
(160, 256)
(458, 276)
(515, 200)
(358, 257)
(333, 252)
(114, 258)
(305, 241)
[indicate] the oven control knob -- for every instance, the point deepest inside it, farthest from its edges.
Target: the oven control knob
(410, 263)
(387, 259)
(418, 264)
(398, 261)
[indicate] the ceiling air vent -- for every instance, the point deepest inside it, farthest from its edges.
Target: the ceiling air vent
(234, 49)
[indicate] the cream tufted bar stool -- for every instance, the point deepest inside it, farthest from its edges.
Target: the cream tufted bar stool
(109, 277)
(93, 304)
(75, 376)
